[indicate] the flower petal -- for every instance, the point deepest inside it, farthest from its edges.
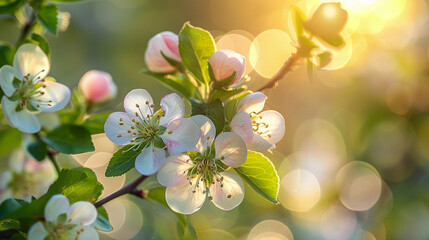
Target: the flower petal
(186, 198)
(241, 124)
(173, 171)
(31, 60)
(7, 75)
(231, 149)
(86, 233)
(37, 232)
(259, 144)
(117, 126)
(137, 104)
(5, 178)
(23, 120)
(55, 97)
(228, 193)
(253, 102)
(57, 205)
(181, 135)
(274, 128)
(83, 213)
(150, 160)
(173, 107)
(207, 132)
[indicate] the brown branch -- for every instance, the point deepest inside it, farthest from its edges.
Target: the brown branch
(26, 29)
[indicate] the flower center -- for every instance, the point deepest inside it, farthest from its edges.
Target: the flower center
(259, 127)
(62, 230)
(28, 90)
(21, 185)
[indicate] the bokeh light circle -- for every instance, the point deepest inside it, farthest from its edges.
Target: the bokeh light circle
(239, 43)
(270, 230)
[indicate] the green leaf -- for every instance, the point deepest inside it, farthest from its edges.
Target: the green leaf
(10, 205)
(259, 172)
(299, 19)
(95, 122)
(9, 6)
(122, 161)
(324, 59)
(10, 138)
(223, 94)
(232, 104)
(171, 61)
(6, 54)
(43, 44)
(70, 139)
(6, 224)
(196, 47)
(48, 16)
(102, 222)
(178, 83)
(66, 1)
(38, 150)
(213, 110)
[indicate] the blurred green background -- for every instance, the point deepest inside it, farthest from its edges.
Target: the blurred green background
(354, 162)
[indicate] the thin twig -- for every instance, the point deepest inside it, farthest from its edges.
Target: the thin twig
(51, 155)
(129, 189)
(25, 30)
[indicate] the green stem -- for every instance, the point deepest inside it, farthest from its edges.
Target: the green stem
(51, 156)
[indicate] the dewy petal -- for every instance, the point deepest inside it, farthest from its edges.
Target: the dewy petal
(174, 170)
(173, 107)
(23, 120)
(117, 126)
(207, 132)
(231, 149)
(253, 102)
(259, 144)
(7, 74)
(181, 135)
(37, 232)
(83, 213)
(150, 160)
(241, 124)
(86, 233)
(30, 59)
(138, 102)
(228, 194)
(183, 199)
(55, 97)
(57, 205)
(275, 130)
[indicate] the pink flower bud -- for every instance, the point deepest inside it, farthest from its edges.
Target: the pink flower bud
(168, 43)
(97, 86)
(225, 62)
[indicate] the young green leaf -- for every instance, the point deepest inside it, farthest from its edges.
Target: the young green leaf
(122, 161)
(10, 6)
(10, 138)
(196, 46)
(6, 54)
(7, 224)
(95, 122)
(48, 16)
(102, 222)
(223, 94)
(213, 110)
(179, 84)
(38, 150)
(324, 59)
(43, 44)
(259, 172)
(298, 21)
(70, 139)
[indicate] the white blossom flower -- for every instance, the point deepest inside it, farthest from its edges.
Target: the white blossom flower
(63, 221)
(27, 89)
(261, 130)
(190, 179)
(26, 177)
(154, 131)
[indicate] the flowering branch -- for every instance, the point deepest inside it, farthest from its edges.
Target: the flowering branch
(129, 189)
(26, 29)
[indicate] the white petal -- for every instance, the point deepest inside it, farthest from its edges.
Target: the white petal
(183, 199)
(259, 144)
(57, 205)
(207, 132)
(17, 160)
(83, 213)
(5, 178)
(173, 171)
(23, 120)
(181, 135)
(30, 59)
(138, 102)
(173, 107)
(253, 102)
(86, 233)
(275, 130)
(150, 160)
(241, 124)
(7, 74)
(37, 232)
(231, 194)
(55, 97)
(231, 148)
(117, 126)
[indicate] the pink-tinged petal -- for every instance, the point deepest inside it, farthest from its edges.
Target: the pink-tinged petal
(174, 170)
(82, 213)
(207, 132)
(37, 232)
(138, 104)
(241, 124)
(181, 135)
(252, 103)
(225, 62)
(55, 97)
(117, 126)
(228, 194)
(57, 205)
(31, 61)
(259, 144)
(23, 120)
(86, 233)
(272, 126)
(173, 107)
(171, 40)
(231, 149)
(150, 160)
(187, 197)
(97, 86)
(7, 74)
